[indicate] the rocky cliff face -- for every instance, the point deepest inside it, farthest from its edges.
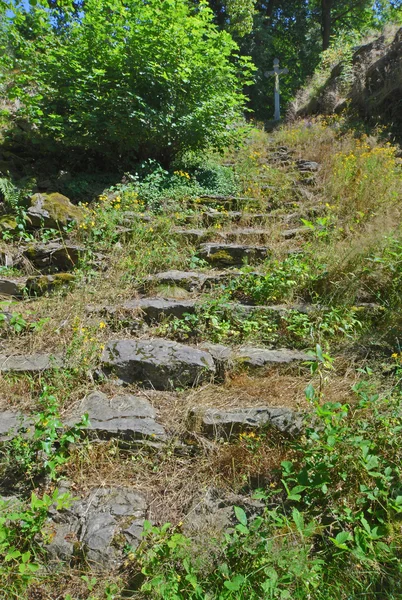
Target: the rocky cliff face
(372, 85)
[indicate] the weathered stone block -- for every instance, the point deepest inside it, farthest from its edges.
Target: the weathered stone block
(157, 363)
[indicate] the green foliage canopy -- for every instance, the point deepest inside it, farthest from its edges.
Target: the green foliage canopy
(128, 81)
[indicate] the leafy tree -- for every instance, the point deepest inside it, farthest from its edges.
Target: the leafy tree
(236, 16)
(128, 81)
(335, 15)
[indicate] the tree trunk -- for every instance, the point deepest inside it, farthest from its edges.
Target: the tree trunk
(326, 25)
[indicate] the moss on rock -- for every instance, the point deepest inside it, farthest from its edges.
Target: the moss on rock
(52, 210)
(8, 223)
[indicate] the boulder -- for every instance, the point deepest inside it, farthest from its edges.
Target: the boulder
(124, 417)
(52, 211)
(232, 254)
(30, 363)
(227, 423)
(97, 529)
(157, 363)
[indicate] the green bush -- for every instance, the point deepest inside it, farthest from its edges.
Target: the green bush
(127, 81)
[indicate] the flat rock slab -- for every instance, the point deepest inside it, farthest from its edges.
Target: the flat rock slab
(124, 417)
(260, 357)
(156, 309)
(290, 234)
(36, 286)
(212, 217)
(277, 310)
(246, 234)
(151, 309)
(227, 358)
(10, 422)
(130, 217)
(189, 280)
(193, 236)
(30, 363)
(228, 423)
(232, 254)
(156, 363)
(90, 527)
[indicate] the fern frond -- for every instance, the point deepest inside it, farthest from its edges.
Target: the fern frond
(10, 192)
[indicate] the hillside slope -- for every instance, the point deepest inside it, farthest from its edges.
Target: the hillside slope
(369, 81)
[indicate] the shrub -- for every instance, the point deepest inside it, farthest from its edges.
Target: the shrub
(138, 80)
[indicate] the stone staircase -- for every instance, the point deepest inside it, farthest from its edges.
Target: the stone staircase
(134, 366)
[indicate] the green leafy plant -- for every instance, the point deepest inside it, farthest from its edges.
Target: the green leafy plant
(41, 448)
(283, 280)
(22, 529)
(331, 526)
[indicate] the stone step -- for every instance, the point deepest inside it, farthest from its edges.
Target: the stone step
(150, 309)
(159, 308)
(30, 363)
(92, 524)
(165, 365)
(19, 287)
(228, 359)
(54, 256)
(123, 417)
(157, 363)
(223, 255)
(156, 309)
(230, 423)
(210, 218)
(307, 166)
(245, 235)
(220, 199)
(290, 234)
(193, 236)
(189, 280)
